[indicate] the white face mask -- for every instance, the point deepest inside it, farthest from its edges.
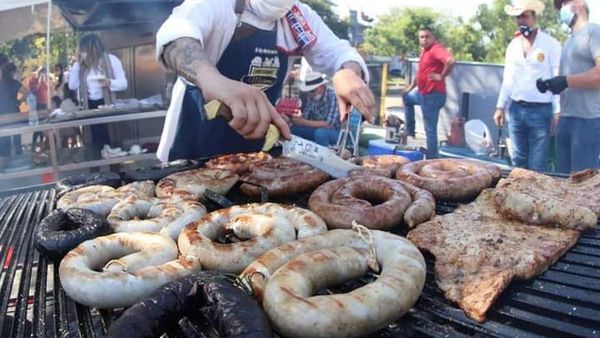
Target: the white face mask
(271, 10)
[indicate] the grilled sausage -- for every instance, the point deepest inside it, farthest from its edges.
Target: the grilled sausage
(62, 230)
(295, 312)
(264, 226)
(156, 172)
(230, 310)
(282, 177)
(386, 164)
(193, 183)
(239, 163)
(450, 179)
(374, 201)
(97, 198)
(76, 182)
(133, 266)
(167, 216)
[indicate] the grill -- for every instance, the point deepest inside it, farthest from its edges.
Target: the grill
(564, 301)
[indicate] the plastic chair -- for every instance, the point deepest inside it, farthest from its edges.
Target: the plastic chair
(349, 136)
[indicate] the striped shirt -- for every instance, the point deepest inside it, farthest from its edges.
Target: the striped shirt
(324, 109)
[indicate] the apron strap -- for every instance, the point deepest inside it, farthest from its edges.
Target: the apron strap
(239, 10)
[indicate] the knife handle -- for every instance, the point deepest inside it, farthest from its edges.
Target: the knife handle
(216, 109)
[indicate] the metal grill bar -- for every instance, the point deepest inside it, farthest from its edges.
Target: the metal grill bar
(563, 301)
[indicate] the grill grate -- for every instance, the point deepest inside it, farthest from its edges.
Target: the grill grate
(563, 301)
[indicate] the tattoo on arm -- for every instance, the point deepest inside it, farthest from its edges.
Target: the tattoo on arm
(180, 56)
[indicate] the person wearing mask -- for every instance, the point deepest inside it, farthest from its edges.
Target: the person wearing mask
(428, 88)
(243, 65)
(97, 75)
(320, 117)
(577, 141)
(530, 55)
(10, 91)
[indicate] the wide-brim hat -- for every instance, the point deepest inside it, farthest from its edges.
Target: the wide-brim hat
(520, 6)
(312, 81)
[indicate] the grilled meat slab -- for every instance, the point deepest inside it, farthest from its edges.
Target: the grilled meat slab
(478, 252)
(583, 189)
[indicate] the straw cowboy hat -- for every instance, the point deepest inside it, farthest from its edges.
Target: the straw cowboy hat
(312, 81)
(520, 6)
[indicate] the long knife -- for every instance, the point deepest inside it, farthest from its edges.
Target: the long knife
(297, 148)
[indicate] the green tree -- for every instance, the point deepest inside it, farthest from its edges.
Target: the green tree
(396, 32)
(325, 10)
(29, 52)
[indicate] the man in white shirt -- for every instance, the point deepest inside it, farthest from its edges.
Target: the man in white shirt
(238, 52)
(531, 55)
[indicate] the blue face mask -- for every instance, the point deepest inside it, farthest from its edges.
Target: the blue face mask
(567, 17)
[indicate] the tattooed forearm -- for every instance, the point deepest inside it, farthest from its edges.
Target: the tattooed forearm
(182, 55)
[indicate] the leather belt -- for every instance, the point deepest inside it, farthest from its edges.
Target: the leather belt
(528, 104)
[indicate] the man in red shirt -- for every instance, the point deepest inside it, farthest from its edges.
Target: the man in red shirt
(428, 88)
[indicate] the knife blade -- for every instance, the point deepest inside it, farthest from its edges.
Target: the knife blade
(317, 156)
(297, 148)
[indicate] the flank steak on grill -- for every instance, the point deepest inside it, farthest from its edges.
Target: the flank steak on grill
(478, 252)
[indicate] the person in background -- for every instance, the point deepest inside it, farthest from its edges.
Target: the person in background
(3, 62)
(320, 118)
(238, 52)
(61, 84)
(578, 130)
(428, 88)
(530, 55)
(97, 75)
(11, 93)
(38, 85)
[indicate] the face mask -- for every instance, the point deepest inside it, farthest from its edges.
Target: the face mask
(525, 30)
(270, 10)
(318, 97)
(567, 16)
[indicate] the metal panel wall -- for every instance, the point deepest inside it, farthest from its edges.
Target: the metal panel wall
(482, 81)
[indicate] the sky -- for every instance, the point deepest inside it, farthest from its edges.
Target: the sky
(464, 8)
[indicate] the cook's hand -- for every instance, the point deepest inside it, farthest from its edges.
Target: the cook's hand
(351, 91)
(499, 117)
(554, 124)
(104, 82)
(297, 120)
(435, 77)
(252, 112)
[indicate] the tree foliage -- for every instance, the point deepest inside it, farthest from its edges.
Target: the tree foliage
(29, 52)
(325, 10)
(483, 38)
(396, 32)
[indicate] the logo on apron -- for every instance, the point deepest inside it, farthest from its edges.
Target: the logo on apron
(263, 69)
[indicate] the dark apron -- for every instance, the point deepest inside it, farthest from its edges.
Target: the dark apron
(252, 59)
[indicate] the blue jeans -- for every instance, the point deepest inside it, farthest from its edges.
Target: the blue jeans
(323, 136)
(430, 106)
(577, 144)
(529, 131)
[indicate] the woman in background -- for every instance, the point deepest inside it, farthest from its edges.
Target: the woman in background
(10, 89)
(98, 75)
